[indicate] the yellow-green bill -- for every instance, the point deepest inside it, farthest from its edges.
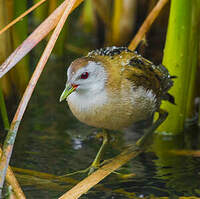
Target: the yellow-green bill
(68, 90)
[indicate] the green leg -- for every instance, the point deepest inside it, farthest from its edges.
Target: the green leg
(96, 163)
(143, 143)
(146, 139)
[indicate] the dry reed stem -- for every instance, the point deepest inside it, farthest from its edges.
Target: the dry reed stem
(10, 138)
(21, 16)
(147, 24)
(90, 181)
(33, 39)
(11, 179)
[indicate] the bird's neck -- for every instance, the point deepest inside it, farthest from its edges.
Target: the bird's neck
(87, 101)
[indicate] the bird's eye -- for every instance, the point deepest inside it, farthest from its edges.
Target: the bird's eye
(84, 75)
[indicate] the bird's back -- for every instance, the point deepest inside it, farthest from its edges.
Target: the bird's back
(136, 69)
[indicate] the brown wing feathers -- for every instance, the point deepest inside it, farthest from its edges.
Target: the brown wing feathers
(139, 70)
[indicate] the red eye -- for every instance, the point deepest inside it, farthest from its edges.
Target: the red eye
(84, 75)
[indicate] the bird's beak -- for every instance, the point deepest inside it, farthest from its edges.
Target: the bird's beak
(68, 90)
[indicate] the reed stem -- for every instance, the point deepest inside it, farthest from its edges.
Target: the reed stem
(194, 48)
(4, 114)
(177, 59)
(20, 74)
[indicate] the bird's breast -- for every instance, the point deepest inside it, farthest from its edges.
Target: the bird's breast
(115, 110)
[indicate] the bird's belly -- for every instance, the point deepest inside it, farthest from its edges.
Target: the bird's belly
(114, 115)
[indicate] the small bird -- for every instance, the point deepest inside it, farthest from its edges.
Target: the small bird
(113, 87)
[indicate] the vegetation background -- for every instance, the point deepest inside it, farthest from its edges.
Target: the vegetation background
(173, 40)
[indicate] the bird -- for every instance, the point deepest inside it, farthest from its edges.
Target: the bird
(113, 87)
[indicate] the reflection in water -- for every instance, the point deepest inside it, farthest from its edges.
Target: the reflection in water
(180, 173)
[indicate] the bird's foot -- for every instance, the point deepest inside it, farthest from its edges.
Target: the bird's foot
(93, 167)
(75, 173)
(96, 163)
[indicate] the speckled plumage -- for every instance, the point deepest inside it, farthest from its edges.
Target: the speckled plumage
(134, 67)
(131, 90)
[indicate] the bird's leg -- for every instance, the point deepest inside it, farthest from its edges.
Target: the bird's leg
(96, 163)
(143, 142)
(146, 139)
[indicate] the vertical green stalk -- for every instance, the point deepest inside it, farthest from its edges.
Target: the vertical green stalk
(4, 114)
(88, 18)
(194, 47)
(40, 13)
(123, 21)
(177, 59)
(52, 5)
(20, 32)
(117, 12)
(199, 115)
(60, 43)
(5, 49)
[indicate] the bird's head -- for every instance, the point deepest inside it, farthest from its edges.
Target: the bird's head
(85, 76)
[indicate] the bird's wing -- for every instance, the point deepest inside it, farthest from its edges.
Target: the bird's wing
(135, 68)
(144, 73)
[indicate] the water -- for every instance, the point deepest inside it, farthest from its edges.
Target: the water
(52, 141)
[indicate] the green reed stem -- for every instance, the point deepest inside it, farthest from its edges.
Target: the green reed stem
(118, 5)
(4, 114)
(194, 48)
(88, 17)
(20, 32)
(40, 13)
(177, 59)
(59, 48)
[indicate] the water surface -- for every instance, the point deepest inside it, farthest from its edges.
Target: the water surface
(52, 141)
